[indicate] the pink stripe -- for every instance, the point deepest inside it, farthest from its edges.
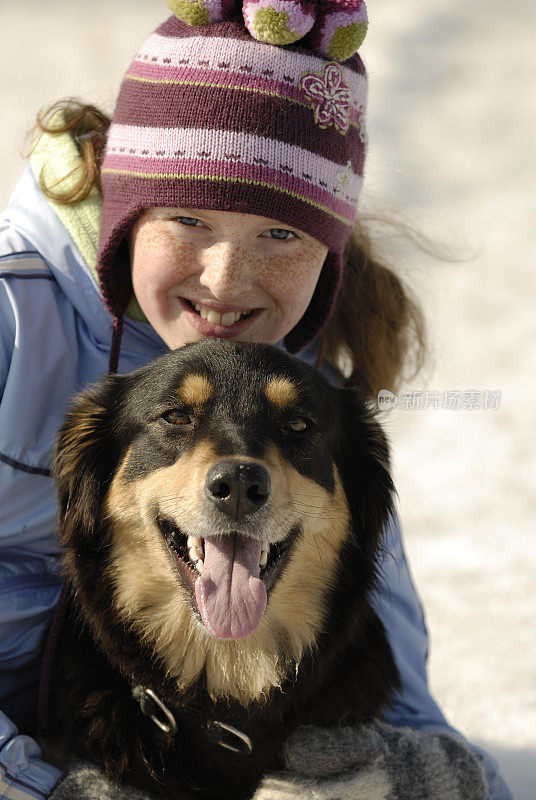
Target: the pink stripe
(232, 169)
(235, 80)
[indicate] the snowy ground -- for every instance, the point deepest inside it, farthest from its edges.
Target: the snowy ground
(453, 152)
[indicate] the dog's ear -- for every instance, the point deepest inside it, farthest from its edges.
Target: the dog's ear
(364, 467)
(87, 452)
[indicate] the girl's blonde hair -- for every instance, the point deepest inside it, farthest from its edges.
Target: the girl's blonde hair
(376, 334)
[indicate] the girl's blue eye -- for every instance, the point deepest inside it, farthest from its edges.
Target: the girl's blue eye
(282, 234)
(191, 221)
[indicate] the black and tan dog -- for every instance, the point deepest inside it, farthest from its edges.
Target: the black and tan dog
(221, 513)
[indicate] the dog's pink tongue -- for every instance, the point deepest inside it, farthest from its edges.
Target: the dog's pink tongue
(230, 596)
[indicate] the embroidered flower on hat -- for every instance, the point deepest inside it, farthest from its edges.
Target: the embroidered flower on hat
(329, 96)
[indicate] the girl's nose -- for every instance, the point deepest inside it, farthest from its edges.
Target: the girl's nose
(226, 271)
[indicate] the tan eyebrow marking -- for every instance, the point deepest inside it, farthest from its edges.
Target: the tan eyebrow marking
(281, 392)
(195, 390)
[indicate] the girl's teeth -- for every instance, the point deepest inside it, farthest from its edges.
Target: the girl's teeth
(213, 318)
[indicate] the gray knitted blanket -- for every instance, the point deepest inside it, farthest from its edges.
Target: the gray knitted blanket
(370, 762)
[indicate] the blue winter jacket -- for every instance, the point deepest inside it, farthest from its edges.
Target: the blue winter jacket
(54, 340)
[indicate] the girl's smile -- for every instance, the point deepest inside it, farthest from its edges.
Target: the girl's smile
(198, 273)
(225, 322)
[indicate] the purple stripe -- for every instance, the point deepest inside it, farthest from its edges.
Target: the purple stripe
(224, 78)
(218, 109)
(231, 169)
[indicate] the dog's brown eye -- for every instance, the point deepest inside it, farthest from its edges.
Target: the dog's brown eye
(297, 424)
(176, 417)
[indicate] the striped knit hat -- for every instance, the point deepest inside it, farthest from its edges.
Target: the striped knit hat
(208, 117)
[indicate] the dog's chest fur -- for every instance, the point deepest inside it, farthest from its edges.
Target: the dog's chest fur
(133, 464)
(92, 714)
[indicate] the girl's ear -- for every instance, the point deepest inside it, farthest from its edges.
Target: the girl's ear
(365, 468)
(86, 455)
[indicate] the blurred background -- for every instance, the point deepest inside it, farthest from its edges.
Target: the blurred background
(452, 129)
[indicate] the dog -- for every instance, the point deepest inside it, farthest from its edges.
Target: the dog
(221, 514)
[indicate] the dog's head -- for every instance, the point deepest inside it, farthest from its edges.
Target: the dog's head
(213, 501)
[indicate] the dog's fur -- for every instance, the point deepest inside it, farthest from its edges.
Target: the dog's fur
(320, 654)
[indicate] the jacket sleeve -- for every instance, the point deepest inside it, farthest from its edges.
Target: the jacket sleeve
(23, 775)
(398, 605)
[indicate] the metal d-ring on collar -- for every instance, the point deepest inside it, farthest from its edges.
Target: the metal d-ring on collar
(146, 696)
(219, 731)
(245, 745)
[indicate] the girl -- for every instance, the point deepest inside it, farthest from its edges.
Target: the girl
(229, 186)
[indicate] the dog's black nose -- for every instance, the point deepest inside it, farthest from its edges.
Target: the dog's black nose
(237, 489)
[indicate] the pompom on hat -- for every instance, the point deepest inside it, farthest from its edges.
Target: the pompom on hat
(210, 118)
(334, 28)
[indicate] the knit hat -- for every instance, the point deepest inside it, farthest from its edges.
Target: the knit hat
(210, 118)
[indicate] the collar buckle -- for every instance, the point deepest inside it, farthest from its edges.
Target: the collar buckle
(230, 738)
(221, 733)
(151, 705)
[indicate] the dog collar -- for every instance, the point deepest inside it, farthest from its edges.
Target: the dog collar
(218, 732)
(150, 703)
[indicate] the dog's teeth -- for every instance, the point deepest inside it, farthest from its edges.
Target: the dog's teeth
(264, 554)
(195, 553)
(194, 541)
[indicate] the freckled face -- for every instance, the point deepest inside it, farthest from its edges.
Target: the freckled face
(226, 264)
